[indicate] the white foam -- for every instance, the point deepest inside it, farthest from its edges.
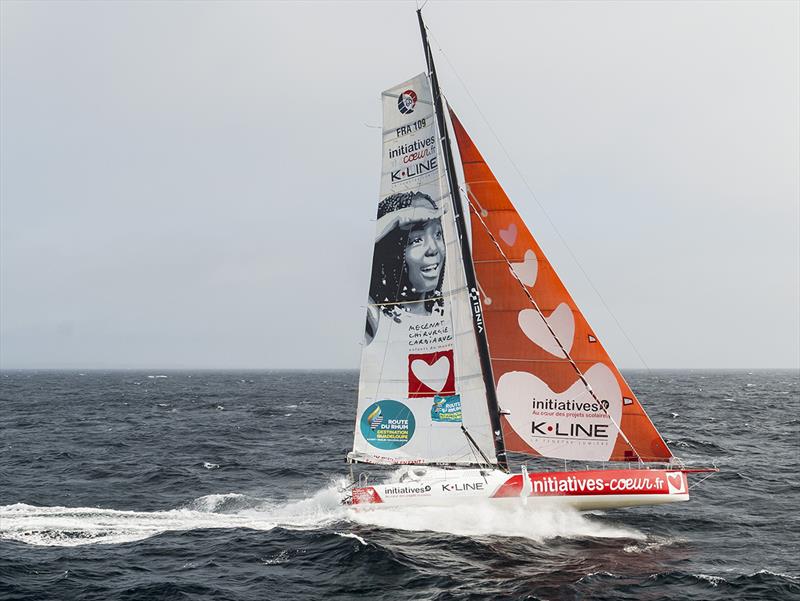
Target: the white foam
(489, 518)
(223, 503)
(593, 574)
(281, 557)
(652, 544)
(713, 580)
(352, 535)
(73, 526)
(787, 576)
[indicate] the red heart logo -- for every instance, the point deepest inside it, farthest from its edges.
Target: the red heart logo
(676, 481)
(430, 374)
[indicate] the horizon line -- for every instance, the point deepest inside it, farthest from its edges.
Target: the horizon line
(265, 369)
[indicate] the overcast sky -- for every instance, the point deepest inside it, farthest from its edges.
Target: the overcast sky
(191, 185)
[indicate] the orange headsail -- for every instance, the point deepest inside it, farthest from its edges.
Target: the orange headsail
(558, 390)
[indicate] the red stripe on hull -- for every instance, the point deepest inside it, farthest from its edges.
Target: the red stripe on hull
(598, 482)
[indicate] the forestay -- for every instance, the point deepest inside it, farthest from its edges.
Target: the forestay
(420, 376)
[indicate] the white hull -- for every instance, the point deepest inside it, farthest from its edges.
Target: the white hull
(583, 490)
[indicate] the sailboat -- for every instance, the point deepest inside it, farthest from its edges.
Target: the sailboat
(473, 348)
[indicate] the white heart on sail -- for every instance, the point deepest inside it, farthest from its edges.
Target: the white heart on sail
(568, 424)
(433, 376)
(561, 321)
(509, 235)
(528, 269)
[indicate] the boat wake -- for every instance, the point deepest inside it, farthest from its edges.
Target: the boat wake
(74, 526)
(487, 518)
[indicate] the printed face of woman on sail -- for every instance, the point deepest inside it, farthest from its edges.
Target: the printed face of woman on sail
(409, 261)
(424, 255)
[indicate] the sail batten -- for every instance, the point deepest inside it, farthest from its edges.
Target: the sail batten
(538, 337)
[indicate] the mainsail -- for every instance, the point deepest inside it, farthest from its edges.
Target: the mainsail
(421, 388)
(560, 394)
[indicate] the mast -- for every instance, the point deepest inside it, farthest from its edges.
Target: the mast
(478, 324)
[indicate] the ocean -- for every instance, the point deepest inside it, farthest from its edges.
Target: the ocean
(223, 486)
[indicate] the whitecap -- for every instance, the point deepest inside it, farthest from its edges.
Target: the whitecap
(787, 576)
(352, 535)
(593, 574)
(219, 503)
(281, 557)
(651, 544)
(713, 580)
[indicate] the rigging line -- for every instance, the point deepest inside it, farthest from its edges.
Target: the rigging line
(540, 360)
(460, 284)
(550, 329)
(475, 445)
(701, 481)
(472, 451)
(544, 211)
(456, 284)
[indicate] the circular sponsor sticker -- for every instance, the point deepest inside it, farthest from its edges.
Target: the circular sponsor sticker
(387, 424)
(407, 101)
